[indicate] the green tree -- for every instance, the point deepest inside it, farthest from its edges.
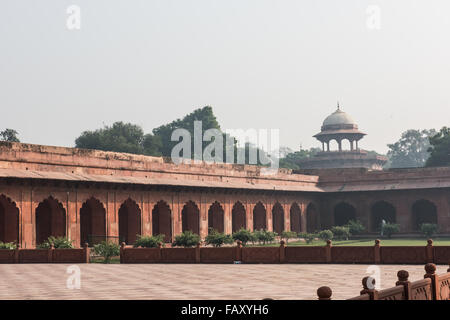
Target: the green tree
(411, 150)
(217, 239)
(293, 160)
(120, 137)
(439, 149)
(9, 135)
(107, 249)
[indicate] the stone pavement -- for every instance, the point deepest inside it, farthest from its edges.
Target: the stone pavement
(192, 281)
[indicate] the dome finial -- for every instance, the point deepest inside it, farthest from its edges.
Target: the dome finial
(338, 105)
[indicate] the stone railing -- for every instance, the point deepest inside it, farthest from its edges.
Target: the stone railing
(431, 287)
(51, 255)
(290, 254)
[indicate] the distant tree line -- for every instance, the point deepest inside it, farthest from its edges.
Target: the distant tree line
(415, 148)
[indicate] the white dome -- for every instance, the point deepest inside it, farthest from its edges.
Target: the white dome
(338, 117)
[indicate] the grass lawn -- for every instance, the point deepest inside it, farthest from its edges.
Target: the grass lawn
(371, 242)
(101, 260)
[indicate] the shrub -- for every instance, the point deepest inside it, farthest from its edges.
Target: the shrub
(390, 228)
(107, 249)
(428, 229)
(264, 236)
(149, 241)
(244, 236)
(186, 239)
(57, 242)
(355, 227)
(309, 237)
(286, 235)
(340, 232)
(325, 235)
(8, 245)
(217, 239)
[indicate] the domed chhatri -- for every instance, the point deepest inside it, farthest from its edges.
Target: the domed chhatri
(340, 127)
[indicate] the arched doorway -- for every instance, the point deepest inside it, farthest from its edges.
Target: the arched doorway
(190, 216)
(216, 217)
(259, 217)
(238, 220)
(50, 220)
(129, 222)
(278, 218)
(343, 213)
(92, 222)
(162, 220)
(9, 220)
(295, 217)
(312, 219)
(381, 210)
(423, 211)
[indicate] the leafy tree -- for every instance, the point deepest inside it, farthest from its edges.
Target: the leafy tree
(341, 232)
(390, 228)
(428, 229)
(286, 235)
(411, 150)
(57, 242)
(355, 227)
(186, 239)
(120, 137)
(8, 245)
(107, 249)
(292, 160)
(309, 237)
(149, 241)
(264, 236)
(325, 235)
(217, 239)
(244, 236)
(440, 149)
(9, 135)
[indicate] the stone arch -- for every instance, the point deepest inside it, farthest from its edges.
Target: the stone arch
(162, 220)
(92, 222)
(259, 217)
(129, 221)
(423, 211)
(9, 220)
(381, 210)
(312, 218)
(190, 216)
(278, 218)
(238, 219)
(216, 217)
(343, 213)
(50, 220)
(295, 217)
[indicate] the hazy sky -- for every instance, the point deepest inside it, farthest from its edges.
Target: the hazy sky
(259, 64)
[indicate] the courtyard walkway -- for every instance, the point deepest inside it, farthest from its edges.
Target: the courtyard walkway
(182, 281)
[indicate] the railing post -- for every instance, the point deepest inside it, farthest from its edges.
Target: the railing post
(369, 288)
(430, 251)
(328, 251)
(197, 253)
(324, 293)
(377, 253)
(86, 252)
(403, 276)
(50, 253)
(122, 252)
(430, 268)
(282, 251)
(238, 254)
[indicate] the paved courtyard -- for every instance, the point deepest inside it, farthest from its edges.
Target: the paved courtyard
(188, 281)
